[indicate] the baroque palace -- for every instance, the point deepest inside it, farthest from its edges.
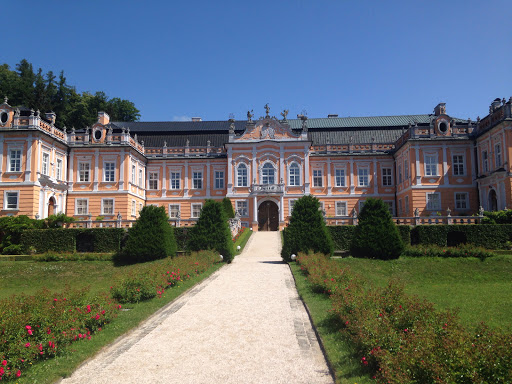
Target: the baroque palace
(420, 165)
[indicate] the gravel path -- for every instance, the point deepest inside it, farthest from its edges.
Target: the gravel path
(244, 324)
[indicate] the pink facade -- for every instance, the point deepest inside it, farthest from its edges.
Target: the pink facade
(418, 164)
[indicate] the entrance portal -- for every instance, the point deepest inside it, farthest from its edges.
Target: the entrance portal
(268, 216)
(493, 201)
(51, 206)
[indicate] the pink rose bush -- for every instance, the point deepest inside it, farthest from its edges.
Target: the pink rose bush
(403, 339)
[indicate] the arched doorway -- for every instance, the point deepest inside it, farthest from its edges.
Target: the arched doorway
(268, 216)
(51, 206)
(493, 201)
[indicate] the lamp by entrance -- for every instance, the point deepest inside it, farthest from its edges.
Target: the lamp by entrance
(268, 216)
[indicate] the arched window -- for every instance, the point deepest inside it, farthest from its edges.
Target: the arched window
(241, 176)
(267, 174)
(294, 175)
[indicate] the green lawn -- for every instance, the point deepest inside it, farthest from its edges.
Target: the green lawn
(481, 290)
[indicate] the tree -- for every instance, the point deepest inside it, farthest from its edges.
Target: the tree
(228, 208)
(376, 235)
(150, 238)
(212, 231)
(307, 230)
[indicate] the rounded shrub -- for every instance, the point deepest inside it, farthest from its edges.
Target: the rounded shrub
(150, 238)
(376, 235)
(307, 230)
(212, 231)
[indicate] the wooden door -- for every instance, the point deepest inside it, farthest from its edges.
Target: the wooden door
(268, 216)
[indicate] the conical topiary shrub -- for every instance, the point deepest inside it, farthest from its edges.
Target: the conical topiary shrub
(307, 230)
(376, 235)
(228, 208)
(150, 238)
(212, 231)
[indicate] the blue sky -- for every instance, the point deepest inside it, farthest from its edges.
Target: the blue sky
(181, 59)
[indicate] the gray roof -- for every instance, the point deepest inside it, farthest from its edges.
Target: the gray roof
(180, 140)
(358, 136)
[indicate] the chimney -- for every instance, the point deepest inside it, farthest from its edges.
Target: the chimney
(333, 116)
(196, 119)
(103, 118)
(51, 117)
(440, 109)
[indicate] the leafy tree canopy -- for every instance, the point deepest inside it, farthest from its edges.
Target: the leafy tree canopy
(48, 92)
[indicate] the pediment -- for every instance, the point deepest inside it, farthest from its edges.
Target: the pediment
(268, 129)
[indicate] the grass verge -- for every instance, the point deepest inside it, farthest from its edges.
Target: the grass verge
(49, 371)
(340, 353)
(242, 240)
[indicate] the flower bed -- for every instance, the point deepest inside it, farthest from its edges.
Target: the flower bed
(402, 339)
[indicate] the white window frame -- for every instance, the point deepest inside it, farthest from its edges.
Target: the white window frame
(268, 173)
(16, 159)
(318, 178)
(341, 208)
(431, 164)
(339, 177)
(153, 180)
(363, 176)
(197, 179)
(134, 208)
(218, 179)
(406, 204)
(140, 208)
(361, 204)
(242, 207)
(465, 201)
(406, 170)
(485, 160)
(134, 174)
(141, 178)
(193, 212)
(387, 180)
(11, 193)
(291, 203)
(435, 204)
(173, 212)
(391, 206)
(399, 174)
(84, 175)
(497, 155)
(80, 204)
(175, 180)
(242, 180)
(45, 164)
(400, 207)
(294, 175)
(109, 171)
(457, 165)
(58, 172)
(103, 206)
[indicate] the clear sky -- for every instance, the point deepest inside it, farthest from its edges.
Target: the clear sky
(178, 59)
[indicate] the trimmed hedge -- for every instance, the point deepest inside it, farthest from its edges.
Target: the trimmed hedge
(65, 240)
(342, 235)
(181, 234)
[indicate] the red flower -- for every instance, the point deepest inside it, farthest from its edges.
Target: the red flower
(28, 327)
(18, 374)
(27, 345)
(1, 371)
(88, 308)
(29, 332)
(4, 362)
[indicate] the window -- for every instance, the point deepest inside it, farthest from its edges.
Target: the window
(109, 172)
(461, 200)
(458, 165)
(134, 170)
(83, 172)
(430, 165)
(241, 177)
(174, 211)
(291, 203)
(197, 180)
(107, 206)
(46, 164)
(196, 210)
(339, 177)
(399, 174)
(140, 178)
(294, 175)
(267, 174)
(406, 199)
(15, 160)
(219, 179)
(362, 175)
(361, 205)
(497, 155)
(11, 199)
(153, 180)
(317, 178)
(485, 161)
(242, 208)
(134, 207)
(81, 207)
(406, 170)
(387, 180)
(58, 176)
(400, 207)
(390, 207)
(175, 180)
(433, 201)
(341, 208)
(140, 207)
